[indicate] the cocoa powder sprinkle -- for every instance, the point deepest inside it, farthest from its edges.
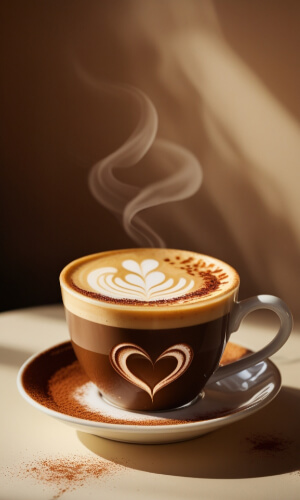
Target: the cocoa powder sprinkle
(55, 377)
(64, 473)
(269, 444)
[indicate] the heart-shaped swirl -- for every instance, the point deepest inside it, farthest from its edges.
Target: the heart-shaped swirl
(119, 355)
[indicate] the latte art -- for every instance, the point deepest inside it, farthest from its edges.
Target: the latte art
(149, 287)
(182, 353)
(143, 283)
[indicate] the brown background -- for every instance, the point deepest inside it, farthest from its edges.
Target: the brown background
(224, 77)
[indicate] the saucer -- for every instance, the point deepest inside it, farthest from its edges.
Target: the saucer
(53, 382)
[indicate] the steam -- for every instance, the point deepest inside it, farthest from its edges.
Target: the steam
(125, 201)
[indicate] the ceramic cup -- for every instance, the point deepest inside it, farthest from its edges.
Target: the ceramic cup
(149, 326)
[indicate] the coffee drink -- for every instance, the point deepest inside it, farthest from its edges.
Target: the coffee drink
(149, 326)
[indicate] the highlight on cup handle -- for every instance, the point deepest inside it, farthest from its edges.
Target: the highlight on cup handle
(242, 309)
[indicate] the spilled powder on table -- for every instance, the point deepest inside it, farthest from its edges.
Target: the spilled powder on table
(269, 444)
(63, 474)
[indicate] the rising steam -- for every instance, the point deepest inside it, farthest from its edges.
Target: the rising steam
(126, 201)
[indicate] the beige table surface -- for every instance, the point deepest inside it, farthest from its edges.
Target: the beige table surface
(226, 464)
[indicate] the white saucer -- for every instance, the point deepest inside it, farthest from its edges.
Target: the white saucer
(224, 402)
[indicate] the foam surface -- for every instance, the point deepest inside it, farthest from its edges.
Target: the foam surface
(141, 280)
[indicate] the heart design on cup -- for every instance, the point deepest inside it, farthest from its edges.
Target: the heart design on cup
(182, 353)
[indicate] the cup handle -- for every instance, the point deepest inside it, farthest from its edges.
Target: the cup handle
(240, 310)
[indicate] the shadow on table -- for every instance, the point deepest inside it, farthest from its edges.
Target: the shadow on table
(50, 312)
(264, 444)
(13, 357)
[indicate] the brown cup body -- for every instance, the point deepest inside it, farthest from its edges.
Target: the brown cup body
(93, 344)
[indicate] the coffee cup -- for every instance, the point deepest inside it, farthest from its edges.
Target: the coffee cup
(149, 325)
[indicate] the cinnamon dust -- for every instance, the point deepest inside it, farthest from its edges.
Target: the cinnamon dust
(62, 389)
(56, 378)
(64, 474)
(269, 444)
(232, 353)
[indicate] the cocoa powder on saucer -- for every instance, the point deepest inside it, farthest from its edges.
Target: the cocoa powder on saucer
(56, 380)
(67, 381)
(233, 352)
